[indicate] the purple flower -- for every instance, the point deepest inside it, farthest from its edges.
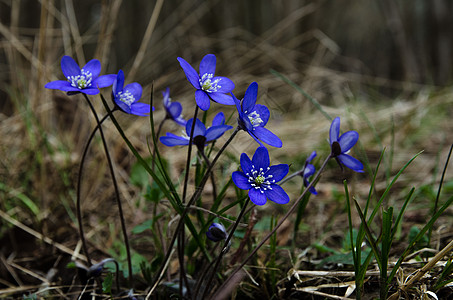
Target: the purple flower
(85, 80)
(201, 135)
(253, 117)
(173, 109)
(217, 232)
(341, 145)
(208, 86)
(260, 179)
(308, 171)
(126, 97)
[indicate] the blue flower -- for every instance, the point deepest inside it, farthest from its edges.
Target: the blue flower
(201, 135)
(126, 97)
(341, 145)
(260, 179)
(217, 232)
(173, 109)
(208, 86)
(253, 117)
(85, 80)
(308, 171)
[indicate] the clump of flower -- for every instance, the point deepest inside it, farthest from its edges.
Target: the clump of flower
(208, 86)
(253, 117)
(201, 135)
(85, 80)
(261, 179)
(340, 146)
(126, 97)
(173, 109)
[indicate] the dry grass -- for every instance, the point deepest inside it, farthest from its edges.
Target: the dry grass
(43, 132)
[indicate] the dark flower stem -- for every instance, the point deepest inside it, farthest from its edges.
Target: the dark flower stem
(208, 163)
(182, 273)
(79, 188)
(117, 193)
(225, 246)
(159, 129)
(280, 222)
(195, 196)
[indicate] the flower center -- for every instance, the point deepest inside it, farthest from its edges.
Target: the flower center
(81, 81)
(208, 85)
(255, 119)
(126, 97)
(259, 180)
(336, 149)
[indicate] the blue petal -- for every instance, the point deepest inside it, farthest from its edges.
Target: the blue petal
(351, 162)
(200, 128)
(171, 140)
(140, 109)
(90, 90)
(93, 66)
(278, 172)
(347, 140)
(309, 170)
(257, 197)
(261, 158)
(226, 84)
(264, 113)
(267, 137)
(311, 157)
(222, 98)
(104, 81)
(63, 85)
(135, 89)
(123, 106)
(246, 163)
(166, 95)
(214, 132)
(69, 66)
(238, 104)
(174, 109)
(207, 64)
(334, 132)
(190, 72)
(180, 120)
(219, 119)
(277, 194)
(250, 97)
(241, 180)
(118, 83)
(202, 100)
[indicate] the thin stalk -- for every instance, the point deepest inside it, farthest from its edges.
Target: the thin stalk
(280, 222)
(79, 188)
(159, 129)
(208, 163)
(195, 196)
(225, 246)
(117, 193)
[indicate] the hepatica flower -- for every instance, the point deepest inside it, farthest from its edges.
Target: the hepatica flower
(85, 80)
(201, 135)
(208, 86)
(341, 145)
(126, 97)
(253, 117)
(308, 171)
(261, 179)
(173, 109)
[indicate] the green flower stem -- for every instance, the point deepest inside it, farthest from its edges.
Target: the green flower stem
(195, 196)
(280, 222)
(79, 188)
(117, 193)
(225, 246)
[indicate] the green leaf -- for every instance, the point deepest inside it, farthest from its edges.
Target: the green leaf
(107, 283)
